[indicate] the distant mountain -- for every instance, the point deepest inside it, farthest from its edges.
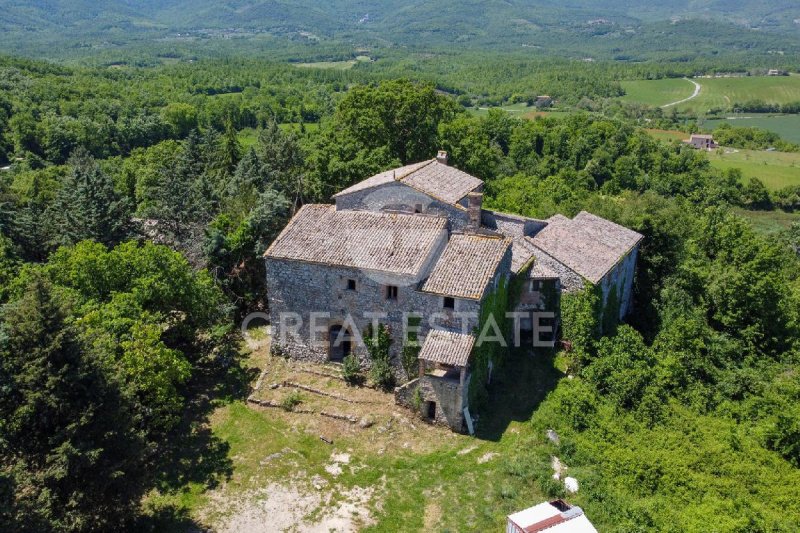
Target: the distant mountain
(511, 23)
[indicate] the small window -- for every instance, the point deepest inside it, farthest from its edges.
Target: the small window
(391, 292)
(418, 208)
(535, 285)
(351, 284)
(449, 303)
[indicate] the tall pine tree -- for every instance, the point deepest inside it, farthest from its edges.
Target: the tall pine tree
(88, 206)
(70, 456)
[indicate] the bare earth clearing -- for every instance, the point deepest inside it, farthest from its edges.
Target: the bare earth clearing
(281, 494)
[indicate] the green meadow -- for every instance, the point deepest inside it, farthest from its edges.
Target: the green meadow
(775, 169)
(720, 93)
(769, 222)
(787, 126)
(656, 92)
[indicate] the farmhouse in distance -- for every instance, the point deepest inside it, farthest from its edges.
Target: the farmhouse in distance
(416, 240)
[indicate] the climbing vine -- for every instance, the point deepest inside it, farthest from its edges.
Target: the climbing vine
(494, 308)
(409, 357)
(580, 313)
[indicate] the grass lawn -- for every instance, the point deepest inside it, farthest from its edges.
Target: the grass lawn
(787, 126)
(521, 110)
(775, 169)
(724, 92)
(769, 222)
(249, 136)
(715, 92)
(515, 109)
(400, 474)
(667, 135)
(335, 65)
(657, 92)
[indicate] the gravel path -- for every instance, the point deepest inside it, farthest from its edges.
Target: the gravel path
(694, 94)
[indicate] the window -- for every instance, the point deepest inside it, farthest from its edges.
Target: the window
(418, 208)
(535, 286)
(449, 303)
(351, 284)
(391, 292)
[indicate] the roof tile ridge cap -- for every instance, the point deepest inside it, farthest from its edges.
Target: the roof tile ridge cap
(481, 236)
(422, 164)
(623, 226)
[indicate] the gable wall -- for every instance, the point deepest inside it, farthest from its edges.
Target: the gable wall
(400, 197)
(621, 277)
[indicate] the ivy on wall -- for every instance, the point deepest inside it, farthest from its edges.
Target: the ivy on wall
(494, 308)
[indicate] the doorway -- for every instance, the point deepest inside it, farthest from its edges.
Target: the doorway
(340, 343)
(430, 411)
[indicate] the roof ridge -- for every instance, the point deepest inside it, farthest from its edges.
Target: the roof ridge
(422, 164)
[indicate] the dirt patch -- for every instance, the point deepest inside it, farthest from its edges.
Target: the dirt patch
(284, 508)
(385, 425)
(485, 458)
(433, 515)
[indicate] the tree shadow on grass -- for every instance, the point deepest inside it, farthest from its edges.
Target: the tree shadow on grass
(195, 455)
(168, 518)
(516, 390)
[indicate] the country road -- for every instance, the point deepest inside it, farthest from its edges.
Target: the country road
(694, 94)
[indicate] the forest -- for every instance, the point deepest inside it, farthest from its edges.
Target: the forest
(133, 217)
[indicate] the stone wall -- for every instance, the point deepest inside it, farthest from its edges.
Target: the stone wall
(321, 292)
(571, 281)
(449, 396)
(621, 277)
(511, 225)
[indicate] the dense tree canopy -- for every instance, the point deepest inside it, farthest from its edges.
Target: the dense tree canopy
(139, 202)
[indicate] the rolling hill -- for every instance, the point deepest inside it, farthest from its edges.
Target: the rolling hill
(607, 28)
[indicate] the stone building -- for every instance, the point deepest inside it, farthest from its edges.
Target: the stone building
(701, 141)
(414, 250)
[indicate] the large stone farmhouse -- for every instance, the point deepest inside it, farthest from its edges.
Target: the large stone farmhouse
(415, 241)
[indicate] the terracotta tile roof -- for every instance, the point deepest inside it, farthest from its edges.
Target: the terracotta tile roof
(435, 179)
(521, 254)
(543, 271)
(442, 181)
(387, 242)
(588, 244)
(381, 179)
(466, 266)
(447, 347)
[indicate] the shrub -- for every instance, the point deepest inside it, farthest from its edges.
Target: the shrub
(351, 370)
(382, 374)
(292, 400)
(277, 350)
(378, 347)
(416, 401)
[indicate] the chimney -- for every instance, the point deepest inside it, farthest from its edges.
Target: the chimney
(475, 202)
(441, 157)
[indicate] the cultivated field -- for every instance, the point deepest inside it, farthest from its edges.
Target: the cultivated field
(720, 93)
(657, 92)
(335, 65)
(787, 126)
